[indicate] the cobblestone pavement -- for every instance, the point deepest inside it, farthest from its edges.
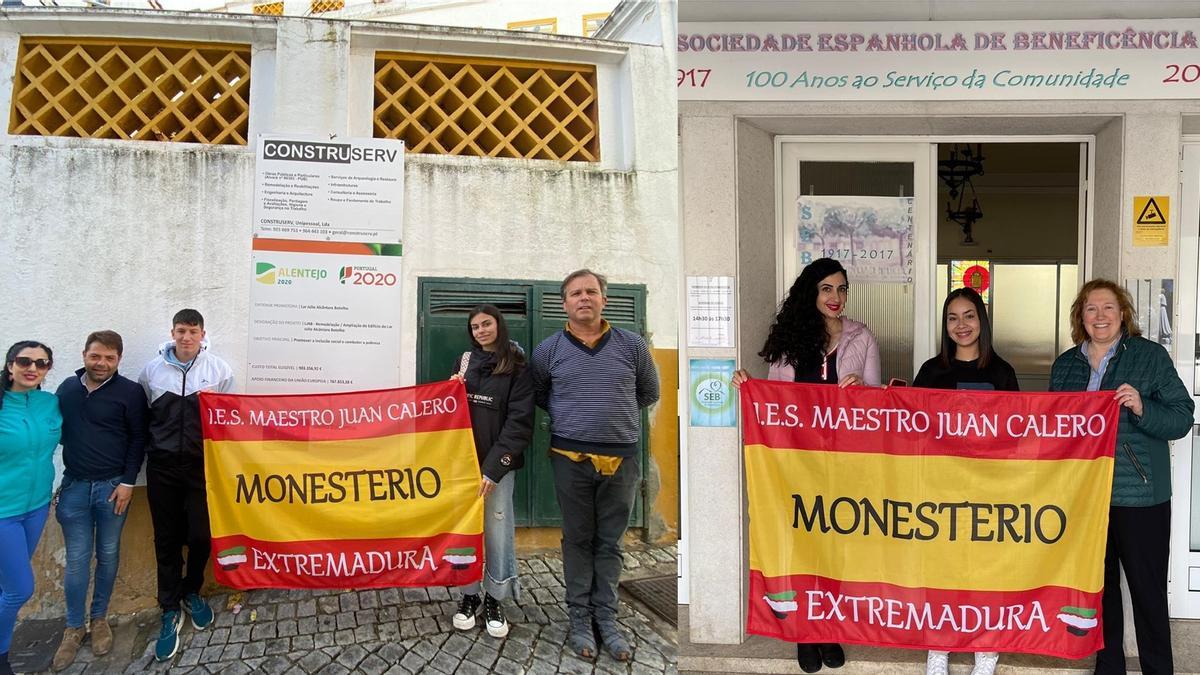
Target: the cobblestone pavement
(394, 631)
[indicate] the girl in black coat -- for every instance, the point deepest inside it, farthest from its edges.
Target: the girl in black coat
(500, 393)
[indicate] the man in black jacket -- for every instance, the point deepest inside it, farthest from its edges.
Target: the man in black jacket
(175, 471)
(103, 439)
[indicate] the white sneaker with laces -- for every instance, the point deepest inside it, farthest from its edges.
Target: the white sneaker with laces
(985, 663)
(464, 618)
(937, 663)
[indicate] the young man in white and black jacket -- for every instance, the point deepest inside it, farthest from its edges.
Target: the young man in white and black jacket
(175, 483)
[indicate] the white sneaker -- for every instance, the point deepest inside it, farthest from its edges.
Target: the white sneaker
(937, 663)
(464, 618)
(985, 663)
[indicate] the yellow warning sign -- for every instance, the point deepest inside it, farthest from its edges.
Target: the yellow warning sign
(1151, 213)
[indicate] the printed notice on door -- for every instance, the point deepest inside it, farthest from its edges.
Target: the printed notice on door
(329, 190)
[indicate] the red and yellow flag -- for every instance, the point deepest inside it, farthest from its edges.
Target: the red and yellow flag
(354, 490)
(952, 520)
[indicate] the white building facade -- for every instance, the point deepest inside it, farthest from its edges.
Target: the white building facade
(104, 231)
(1083, 111)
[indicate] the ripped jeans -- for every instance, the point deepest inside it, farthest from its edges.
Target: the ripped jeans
(499, 552)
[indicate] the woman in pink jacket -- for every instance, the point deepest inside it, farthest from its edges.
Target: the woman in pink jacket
(810, 341)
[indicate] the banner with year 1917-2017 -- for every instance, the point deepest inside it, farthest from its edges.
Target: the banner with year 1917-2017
(353, 490)
(870, 236)
(952, 520)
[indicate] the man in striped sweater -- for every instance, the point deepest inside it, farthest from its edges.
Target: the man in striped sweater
(594, 380)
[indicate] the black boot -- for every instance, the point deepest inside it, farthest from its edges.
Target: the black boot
(832, 655)
(808, 656)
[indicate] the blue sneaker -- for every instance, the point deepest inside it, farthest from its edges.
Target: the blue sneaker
(198, 609)
(168, 637)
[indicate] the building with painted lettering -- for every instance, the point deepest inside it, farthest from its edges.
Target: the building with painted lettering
(1022, 149)
(128, 156)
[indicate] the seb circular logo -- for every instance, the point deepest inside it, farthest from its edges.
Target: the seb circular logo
(712, 393)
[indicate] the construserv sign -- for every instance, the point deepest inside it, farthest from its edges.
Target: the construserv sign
(325, 309)
(928, 60)
(351, 191)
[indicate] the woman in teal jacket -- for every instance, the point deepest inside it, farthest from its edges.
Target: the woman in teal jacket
(30, 425)
(1156, 408)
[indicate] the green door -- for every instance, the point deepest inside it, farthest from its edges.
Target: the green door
(442, 338)
(533, 311)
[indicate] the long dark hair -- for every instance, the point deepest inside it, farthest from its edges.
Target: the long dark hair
(509, 358)
(798, 335)
(6, 377)
(949, 346)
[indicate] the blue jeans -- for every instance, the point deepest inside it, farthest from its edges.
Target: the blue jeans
(18, 538)
(499, 553)
(87, 516)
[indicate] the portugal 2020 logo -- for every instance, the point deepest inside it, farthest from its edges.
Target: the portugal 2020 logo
(365, 276)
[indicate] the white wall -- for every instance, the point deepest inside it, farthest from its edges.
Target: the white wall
(119, 234)
(500, 13)
(496, 14)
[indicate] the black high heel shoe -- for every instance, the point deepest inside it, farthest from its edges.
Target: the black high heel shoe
(808, 656)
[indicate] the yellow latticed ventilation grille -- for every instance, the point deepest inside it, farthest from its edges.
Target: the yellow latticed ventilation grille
(321, 6)
(486, 108)
(269, 8)
(132, 89)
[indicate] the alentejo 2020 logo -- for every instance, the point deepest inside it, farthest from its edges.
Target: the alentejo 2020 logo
(264, 273)
(270, 275)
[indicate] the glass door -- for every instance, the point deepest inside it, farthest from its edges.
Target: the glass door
(1183, 584)
(866, 205)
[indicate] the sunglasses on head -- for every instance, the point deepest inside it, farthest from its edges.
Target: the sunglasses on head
(25, 362)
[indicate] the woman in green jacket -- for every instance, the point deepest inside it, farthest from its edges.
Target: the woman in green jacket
(30, 425)
(1157, 408)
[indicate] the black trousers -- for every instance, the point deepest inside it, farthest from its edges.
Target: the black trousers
(175, 488)
(1139, 538)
